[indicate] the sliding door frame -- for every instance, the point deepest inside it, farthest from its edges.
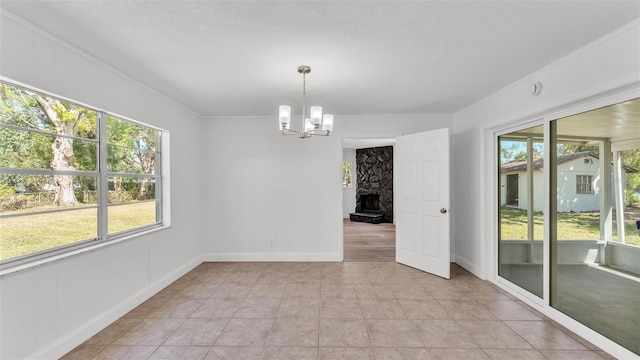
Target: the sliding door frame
(491, 204)
(496, 205)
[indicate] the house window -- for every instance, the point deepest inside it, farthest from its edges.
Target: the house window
(346, 174)
(584, 184)
(71, 176)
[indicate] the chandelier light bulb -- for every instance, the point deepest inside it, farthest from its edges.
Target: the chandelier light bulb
(308, 126)
(285, 116)
(316, 116)
(327, 122)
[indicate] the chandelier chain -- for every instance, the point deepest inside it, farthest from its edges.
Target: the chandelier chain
(304, 97)
(304, 84)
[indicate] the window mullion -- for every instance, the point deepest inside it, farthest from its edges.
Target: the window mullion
(550, 211)
(18, 171)
(134, 175)
(158, 171)
(530, 199)
(103, 182)
(46, 133)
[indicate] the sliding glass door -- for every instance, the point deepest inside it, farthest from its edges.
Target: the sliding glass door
(595, 252)
(521, 208)
(592, 172)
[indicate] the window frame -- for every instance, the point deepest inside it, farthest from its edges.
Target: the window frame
(350, 185)
(101, 175)
(584, 187)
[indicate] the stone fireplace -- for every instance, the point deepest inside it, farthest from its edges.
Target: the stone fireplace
(374, 183)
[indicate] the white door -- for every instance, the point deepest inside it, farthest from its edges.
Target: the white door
(421, 172)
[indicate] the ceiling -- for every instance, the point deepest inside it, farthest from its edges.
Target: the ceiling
(617, 122)
(239, 58)
(357, 143)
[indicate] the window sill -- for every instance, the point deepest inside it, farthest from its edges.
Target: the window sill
(80, 251)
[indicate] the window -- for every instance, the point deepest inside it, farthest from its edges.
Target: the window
(346, 174)
(55, 192)
(133, 181)
(584, 184)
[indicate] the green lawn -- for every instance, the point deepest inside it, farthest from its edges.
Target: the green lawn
(27, 234)
(571, 226)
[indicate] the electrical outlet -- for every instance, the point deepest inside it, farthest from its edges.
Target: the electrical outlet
(271, 242)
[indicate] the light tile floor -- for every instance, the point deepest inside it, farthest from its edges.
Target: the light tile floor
(350, 310)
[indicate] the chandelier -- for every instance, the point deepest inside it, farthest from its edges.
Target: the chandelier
(316, 123)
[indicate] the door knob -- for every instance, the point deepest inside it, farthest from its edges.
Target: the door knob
(443, 210)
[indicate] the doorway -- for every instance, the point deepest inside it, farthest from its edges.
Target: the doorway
(512, 190)
(366, 241)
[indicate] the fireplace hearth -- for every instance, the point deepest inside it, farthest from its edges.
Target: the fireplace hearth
(368, 209)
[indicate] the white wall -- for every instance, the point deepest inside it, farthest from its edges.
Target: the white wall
(49, 309)
(349, 194)
(568, 199)
(569, 252)
(608, 67)
(623, 256)
(264, 185)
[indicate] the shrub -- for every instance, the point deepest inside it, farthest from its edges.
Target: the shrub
(14, 202)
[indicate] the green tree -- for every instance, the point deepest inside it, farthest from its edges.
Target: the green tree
(564, 149)
(64, 120)
(511, 150)
(131, 149)
(631, 158)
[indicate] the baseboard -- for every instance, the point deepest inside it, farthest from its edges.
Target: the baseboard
(468, 265)
(276, 257)
(68, 342)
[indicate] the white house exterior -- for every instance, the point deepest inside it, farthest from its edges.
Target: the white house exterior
(572, 168)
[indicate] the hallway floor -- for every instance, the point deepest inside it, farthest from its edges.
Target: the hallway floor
(369, 242)
(350, 310)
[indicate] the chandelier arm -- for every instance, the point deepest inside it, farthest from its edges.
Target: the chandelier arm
(291, 132)
(308, 133)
